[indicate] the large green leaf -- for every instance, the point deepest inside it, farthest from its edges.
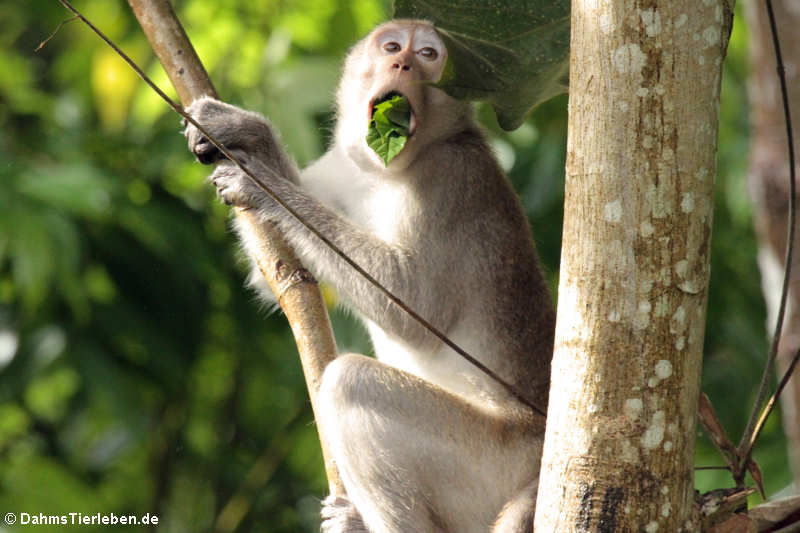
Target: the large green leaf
(513, 54)
(78, 189)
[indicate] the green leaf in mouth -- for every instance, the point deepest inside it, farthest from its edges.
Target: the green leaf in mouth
(388, 128)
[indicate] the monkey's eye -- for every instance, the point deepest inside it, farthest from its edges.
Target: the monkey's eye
(391, 47)
(429, 53)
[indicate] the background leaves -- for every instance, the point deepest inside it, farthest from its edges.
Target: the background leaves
(137, 374)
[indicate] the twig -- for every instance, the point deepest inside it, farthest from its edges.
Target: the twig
(261, 470)
(772, 400)
(58, 28)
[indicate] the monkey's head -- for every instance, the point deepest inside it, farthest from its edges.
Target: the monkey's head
(399, 57)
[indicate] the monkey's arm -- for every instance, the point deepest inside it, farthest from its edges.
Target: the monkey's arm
(238, 130)
(251, 140)
(390, 264)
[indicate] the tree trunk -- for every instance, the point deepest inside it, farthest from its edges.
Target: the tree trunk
(769, 188)
(644, 97)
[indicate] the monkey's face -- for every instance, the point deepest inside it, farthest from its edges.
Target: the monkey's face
(399, 57)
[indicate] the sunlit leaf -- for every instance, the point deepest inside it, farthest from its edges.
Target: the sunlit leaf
(32, 258)
(17, 83)
(512, 53)
(14, 421)
(113, 83)
(48, 396)
(99, 284)
(78, 189)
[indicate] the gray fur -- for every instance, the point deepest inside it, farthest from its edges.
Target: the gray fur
(424, 441)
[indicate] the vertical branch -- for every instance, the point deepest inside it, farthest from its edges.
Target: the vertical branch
(770, 190)
(644, 94)
(295, 288)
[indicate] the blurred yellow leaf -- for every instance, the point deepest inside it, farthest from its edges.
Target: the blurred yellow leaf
(113, 83)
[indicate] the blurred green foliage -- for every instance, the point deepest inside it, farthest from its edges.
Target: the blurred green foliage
(137, 374)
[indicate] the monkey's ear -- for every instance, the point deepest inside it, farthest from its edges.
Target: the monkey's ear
(514, 62)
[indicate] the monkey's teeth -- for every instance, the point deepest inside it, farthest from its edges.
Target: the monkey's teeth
(412, 124)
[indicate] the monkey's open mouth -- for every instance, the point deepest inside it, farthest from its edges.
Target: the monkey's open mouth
(383, 97)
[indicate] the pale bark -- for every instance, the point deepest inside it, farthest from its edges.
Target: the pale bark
(769, 186)
(295, 288)
(644, 99)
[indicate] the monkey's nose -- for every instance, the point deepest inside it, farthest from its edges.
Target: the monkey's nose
(402, 66)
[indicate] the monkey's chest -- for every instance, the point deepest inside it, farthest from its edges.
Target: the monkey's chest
(388, 212)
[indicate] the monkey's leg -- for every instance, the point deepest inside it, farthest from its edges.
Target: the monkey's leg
(517, 515)
(417, 459)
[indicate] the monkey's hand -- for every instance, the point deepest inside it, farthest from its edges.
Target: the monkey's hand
(234, 128)
(234, 187)
(249, 138)
(340, 516)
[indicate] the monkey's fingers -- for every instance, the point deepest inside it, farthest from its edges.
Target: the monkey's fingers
(206, 152)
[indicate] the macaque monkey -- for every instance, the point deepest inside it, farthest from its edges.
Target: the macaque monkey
(424, 441)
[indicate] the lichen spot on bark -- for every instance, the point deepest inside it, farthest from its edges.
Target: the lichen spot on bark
(663, 369)
(612, 211)
(642, 318)
(633, 408)
(652, 21)
(711, 35)
(687, 202)
(654, 434)
(629, 59)
(682, 268)
(677, 323)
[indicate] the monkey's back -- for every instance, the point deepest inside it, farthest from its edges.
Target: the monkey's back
(504, 311)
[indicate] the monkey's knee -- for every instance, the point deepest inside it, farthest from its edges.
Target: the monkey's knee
(347, 421)
(517, 515)
(345, 383)
(344, 380)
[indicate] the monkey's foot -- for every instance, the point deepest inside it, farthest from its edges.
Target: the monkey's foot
(340, 516)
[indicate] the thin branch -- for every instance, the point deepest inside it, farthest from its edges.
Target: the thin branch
(58, 28)
(513, 390)
(297, 291)
(240, 503)
(772, 401)
(749, 436)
